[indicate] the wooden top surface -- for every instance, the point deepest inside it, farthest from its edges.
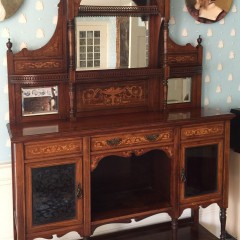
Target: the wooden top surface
(90, 126)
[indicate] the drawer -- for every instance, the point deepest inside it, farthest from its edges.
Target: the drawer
(43, 149)
(206, 130)
(127, 140)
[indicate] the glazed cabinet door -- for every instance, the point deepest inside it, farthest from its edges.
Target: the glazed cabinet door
(201, 171)
(54, 194)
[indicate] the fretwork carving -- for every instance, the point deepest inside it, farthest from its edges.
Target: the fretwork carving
(95, 159)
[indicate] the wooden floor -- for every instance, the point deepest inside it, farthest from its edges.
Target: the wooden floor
(161, 232)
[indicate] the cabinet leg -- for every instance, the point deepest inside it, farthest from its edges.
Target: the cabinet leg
(174, 228)
(223, 219)
(195, 216)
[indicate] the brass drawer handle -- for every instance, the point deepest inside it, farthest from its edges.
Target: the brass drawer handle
(152, 137)
(114, 142)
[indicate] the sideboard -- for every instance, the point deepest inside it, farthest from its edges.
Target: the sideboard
(94, 145)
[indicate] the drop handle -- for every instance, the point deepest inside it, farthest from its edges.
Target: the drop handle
(79, 192)
(183, 177)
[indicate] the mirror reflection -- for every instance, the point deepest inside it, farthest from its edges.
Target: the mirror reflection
(179, 90)
(39, 100)
(111, 42)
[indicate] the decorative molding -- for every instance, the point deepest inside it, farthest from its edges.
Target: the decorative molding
(126, 74)
(136, 11)
(36, 79)
(184, 71)
(95, 159)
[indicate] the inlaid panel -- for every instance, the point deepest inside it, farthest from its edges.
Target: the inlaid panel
(202, 131)
(110, 96)
(44, 149)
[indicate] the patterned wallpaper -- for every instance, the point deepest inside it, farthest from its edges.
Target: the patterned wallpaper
(34, 23)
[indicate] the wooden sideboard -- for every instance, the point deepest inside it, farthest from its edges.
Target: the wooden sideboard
(97, 146)
(76, 176)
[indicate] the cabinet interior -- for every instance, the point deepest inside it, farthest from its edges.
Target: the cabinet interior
(127, 185)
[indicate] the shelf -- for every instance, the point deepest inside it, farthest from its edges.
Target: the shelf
(124, 203)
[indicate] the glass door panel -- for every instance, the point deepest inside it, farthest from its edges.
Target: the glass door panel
(53, 194)
(201, 170)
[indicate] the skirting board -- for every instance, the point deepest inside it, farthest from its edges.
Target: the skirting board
(209, 217)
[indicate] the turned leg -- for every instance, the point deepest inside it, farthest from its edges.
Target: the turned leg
(223, 223)
(174, 228)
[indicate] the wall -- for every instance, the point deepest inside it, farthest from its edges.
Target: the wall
(33, 25)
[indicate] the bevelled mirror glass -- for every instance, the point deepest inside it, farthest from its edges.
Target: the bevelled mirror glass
(109, 42)
(179, 90)
(39, 100)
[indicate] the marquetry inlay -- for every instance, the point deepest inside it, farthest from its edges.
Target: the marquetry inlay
(20, 66)
(101, 143)
(210, 130)
(52, 149)
(112, 96)
(182, 58)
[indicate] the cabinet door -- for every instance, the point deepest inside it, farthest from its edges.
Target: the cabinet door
(201, 171)
(54, 194)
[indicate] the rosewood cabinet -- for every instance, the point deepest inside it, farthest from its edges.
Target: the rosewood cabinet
(94, 146)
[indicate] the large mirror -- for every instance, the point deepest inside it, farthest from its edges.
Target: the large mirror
(110, 42)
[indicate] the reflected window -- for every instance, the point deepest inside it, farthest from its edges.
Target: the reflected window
(179, 90)
(111, 42)
(91, 52)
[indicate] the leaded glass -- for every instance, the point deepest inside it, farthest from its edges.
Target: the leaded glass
(53, 194)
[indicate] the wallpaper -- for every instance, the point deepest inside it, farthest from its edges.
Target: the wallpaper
(34, 23)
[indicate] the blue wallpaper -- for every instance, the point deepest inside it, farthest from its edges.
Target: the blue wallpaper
(34, 23)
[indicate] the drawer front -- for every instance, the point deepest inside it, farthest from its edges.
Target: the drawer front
(43, 149)
(202, 131)
(127, 140)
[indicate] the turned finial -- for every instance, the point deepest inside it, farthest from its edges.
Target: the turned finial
(9, 45)
(199, 40)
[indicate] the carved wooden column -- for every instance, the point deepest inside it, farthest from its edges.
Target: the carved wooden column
(165, 67)
(71, 67)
